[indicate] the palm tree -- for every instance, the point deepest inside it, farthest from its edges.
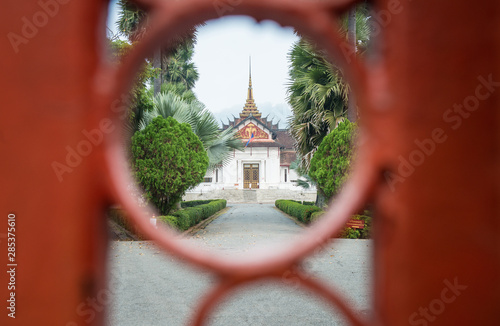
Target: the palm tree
(180, 68)
(132, 23)
(316, 92)
(178, 89)
(351, 38)
(303, 180)
(218, 144)
(318, 98)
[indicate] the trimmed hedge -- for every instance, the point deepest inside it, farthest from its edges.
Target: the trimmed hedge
(193, 203)
(316, 215)
(169, 220)
(119, 217)
(190, 216)
(309, 214)
(301, 212)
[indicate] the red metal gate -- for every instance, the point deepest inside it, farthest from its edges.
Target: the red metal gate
(428, 160)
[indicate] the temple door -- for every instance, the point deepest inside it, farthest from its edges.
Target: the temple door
(251, 176)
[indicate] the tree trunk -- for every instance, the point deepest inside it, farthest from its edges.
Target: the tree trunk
(157, 65)
(352, 112)
(321, 199)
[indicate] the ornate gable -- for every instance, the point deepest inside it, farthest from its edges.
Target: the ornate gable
(258, 133)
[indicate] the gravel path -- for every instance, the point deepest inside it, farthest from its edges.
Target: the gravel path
(151, 288)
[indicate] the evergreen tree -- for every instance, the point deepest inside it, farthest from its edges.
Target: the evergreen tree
(168, 159)
(331, 163)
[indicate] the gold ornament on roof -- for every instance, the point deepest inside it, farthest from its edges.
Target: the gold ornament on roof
(250, 107)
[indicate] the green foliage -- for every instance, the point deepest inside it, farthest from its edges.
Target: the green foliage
(316, 215)
(169, 220)
(133, 24)
(218, 144)
(366, 232)
(363, 28)
(190, 216)
(304, 180)
(350, 233)
(296, 209)
(118, 48)
(181, 90)
(331, 163)
(129, 21)
(119, 216)
(317, 92)
(168, 159)
(180, 68)
(173, 63)
(193, 203)
(139, 102)
(318, 98)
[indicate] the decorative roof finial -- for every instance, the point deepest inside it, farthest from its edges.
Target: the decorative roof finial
(250, 107)
(250, 90)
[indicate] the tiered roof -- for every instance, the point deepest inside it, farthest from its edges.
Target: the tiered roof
(280, 137)
(250, 108)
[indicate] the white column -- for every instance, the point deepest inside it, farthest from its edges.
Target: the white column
(265, 170)
(237, 175)
(262, 176)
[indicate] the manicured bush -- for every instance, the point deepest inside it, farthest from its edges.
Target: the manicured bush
(348, 233)
(169, 220)
(316, 215)
(193, 203)
(168, 159)
(308, 203)
(119, 216)
(185, 218)
(301, 212)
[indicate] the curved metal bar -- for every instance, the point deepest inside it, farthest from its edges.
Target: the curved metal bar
(335, 299)
(210, 300)
(222, 290)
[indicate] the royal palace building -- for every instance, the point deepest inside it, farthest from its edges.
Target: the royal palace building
(261, 171)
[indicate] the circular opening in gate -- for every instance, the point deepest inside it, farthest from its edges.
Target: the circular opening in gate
(249, 139)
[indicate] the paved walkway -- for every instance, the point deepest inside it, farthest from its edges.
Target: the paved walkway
(151, 288)
(247, 226)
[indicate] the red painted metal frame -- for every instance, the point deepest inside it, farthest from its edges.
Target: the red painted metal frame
(431, 175)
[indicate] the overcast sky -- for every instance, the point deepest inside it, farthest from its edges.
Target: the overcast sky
(221, 57)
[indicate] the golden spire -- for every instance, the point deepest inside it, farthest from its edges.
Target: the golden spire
(250, 90)
(250, 107)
